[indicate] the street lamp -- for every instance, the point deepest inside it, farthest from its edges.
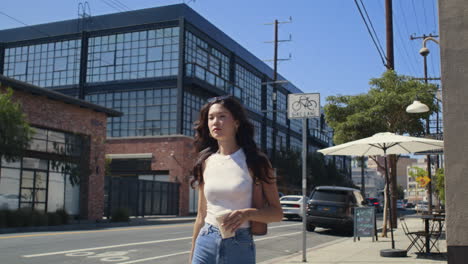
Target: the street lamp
(418, 107)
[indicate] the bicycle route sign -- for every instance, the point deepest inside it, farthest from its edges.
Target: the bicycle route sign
(303, 105)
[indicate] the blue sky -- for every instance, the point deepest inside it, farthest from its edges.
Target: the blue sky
(332, 53)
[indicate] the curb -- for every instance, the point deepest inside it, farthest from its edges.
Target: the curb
(88, 225)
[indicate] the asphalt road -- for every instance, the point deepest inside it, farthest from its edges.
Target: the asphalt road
(142, 244)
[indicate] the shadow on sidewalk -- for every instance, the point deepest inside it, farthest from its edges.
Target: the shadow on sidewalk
(433, 256)
(334, 232)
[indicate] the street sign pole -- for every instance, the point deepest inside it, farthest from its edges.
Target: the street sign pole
(304, 188)
(303, 106)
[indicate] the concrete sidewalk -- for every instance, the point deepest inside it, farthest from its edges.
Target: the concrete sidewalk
(344, 250)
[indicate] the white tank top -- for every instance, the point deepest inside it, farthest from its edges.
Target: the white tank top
(228, 184)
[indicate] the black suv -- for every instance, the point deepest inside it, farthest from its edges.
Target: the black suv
(333, 207)
(375, 203)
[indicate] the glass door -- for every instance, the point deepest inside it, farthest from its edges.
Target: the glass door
(34, 190)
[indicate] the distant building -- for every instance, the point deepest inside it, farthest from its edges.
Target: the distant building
(374, 182)
(414, 191)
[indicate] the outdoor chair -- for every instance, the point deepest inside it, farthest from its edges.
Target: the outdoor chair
(415, 237)
(435, 233)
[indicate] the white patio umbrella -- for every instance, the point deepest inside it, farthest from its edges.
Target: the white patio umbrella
(382, 144)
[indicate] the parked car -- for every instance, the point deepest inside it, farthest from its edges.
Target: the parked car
(333, 207)
(421, 206)
(400, 205)
(409, 205)
(9, 201)
(375, 203)
(292, 206)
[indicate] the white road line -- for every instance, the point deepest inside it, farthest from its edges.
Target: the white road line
(107, 247)
(289, 234)
(273, 227)
(187, 252)
(153, 258)
(143, 243)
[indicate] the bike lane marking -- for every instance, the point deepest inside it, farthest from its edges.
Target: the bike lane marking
(187, 252)
(106, 247)
(153, 258)
(142, 243)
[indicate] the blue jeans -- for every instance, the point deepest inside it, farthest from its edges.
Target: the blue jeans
(210, 248)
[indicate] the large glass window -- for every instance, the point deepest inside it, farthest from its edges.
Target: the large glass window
(295, 143)
(269, 140)
(46, 65)
(51, 141)
(257, 132)
(134, 55)
(251, 87)
(280, 141)
(192, 106)
(33, 183)
(281, 107)
(146, 112)
(269, 102)
(206, 63)
(296, 125)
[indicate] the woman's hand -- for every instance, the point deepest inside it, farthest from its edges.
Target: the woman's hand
(235, 219)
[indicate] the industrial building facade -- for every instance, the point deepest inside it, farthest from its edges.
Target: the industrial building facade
(157, 66)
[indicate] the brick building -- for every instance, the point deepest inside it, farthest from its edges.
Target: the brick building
(67, 130)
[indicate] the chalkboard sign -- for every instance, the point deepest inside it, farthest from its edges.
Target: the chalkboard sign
(364, 222)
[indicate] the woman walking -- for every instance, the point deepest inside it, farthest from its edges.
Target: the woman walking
(228, 161)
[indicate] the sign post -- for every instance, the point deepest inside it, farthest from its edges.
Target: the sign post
(303, 106)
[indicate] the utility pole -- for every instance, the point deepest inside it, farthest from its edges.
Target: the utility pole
(391, 66)
(389, 23)
(275, 78)
(275, 129)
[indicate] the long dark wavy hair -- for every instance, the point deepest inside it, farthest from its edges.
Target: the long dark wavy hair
(205, 145)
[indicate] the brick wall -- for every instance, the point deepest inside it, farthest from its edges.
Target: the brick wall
(179, 164)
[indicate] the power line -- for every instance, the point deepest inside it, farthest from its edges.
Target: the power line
(413, 56)
(435, 15)
(113, 5)
(370, 33)
(122, 5)
(24, 24)
(372, 26)
(410, 66)
(416, 17)
(424, 13)
(408, 57)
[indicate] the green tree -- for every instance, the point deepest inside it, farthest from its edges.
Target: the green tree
(400, 192)
(416, 172)
(440, 184)
(320, 172)
(289, 170)
(15, 132)
(381, 109)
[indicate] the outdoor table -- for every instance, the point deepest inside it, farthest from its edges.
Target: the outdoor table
(428, 232)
